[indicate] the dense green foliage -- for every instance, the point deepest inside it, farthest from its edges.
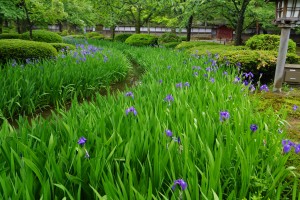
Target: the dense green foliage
(21, 50)
(255, 61)
(43, 36)
(170, 44)
(76, 36)
(10, 36)
(268, 42)
(98, 37)
(128, 156)
(168, 37)
(122, 37)
(142, 40)
(93, 34)
(63, 47)
(38, 85)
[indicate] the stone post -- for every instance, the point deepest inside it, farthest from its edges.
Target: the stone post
(279, 73)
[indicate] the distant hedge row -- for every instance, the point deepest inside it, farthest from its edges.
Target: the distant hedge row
(37, 35)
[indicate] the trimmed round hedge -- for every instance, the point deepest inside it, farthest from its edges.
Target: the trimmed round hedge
(122, 37)
(142, 40)
(10, 36)
(21, 50)
(93, 34)
(63, 46)
(43, 36)
(268, 42)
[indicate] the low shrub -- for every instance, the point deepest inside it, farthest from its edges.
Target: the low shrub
(142, 40)
(268, 42)
(64, 33)
(183, 38)
(108, 39)
(170, 44)
(122, 37)
(98, 37)
(43, 36)
(168, 37)
(21, 50)
(10, 36)
(76, 36)
(255, 61)
(93, 34)
(63, 46)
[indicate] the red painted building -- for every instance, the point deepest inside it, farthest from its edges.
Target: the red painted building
(224, 33)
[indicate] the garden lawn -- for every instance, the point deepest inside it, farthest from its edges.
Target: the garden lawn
(187, 130)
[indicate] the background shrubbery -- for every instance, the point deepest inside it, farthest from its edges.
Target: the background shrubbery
(168, 37)
(63, 46)
(268, 42)
(43, 36)
(10, 36)
(21, 50)
(122, 37)
(142, 40)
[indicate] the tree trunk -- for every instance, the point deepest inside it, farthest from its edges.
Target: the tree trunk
(28, 21)
(1, 23)
(138, 22)
(112, 31)
(60, 26)
(240, 23)
(189, 28)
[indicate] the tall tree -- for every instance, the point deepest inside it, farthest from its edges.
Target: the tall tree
(110, 13)
(9, 11)
(139, 12)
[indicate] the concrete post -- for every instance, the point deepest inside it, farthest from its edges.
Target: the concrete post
(279, 73)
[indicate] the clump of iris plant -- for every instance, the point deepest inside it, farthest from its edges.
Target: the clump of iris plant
(253, 127)
(224, 115)
(131, 110)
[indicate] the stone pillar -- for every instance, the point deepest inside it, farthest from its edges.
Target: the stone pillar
(279, 73)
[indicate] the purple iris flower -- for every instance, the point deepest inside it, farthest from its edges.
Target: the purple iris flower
(245, 82)
(169, 133)
(195, 73)
(187, 84)
(208, 69)
(212, 80)
(264, 88)
(297, 148)
(253, 127)
(295, 107)
(179, 85)
(168, 67)
(225, 73)
(160, 81)
(131, 110)
(82, 141)
(287, 145)
(181, 183)
(252, 88)
(169, 98)
(224, 115)
(237, 79)
(129, 94)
